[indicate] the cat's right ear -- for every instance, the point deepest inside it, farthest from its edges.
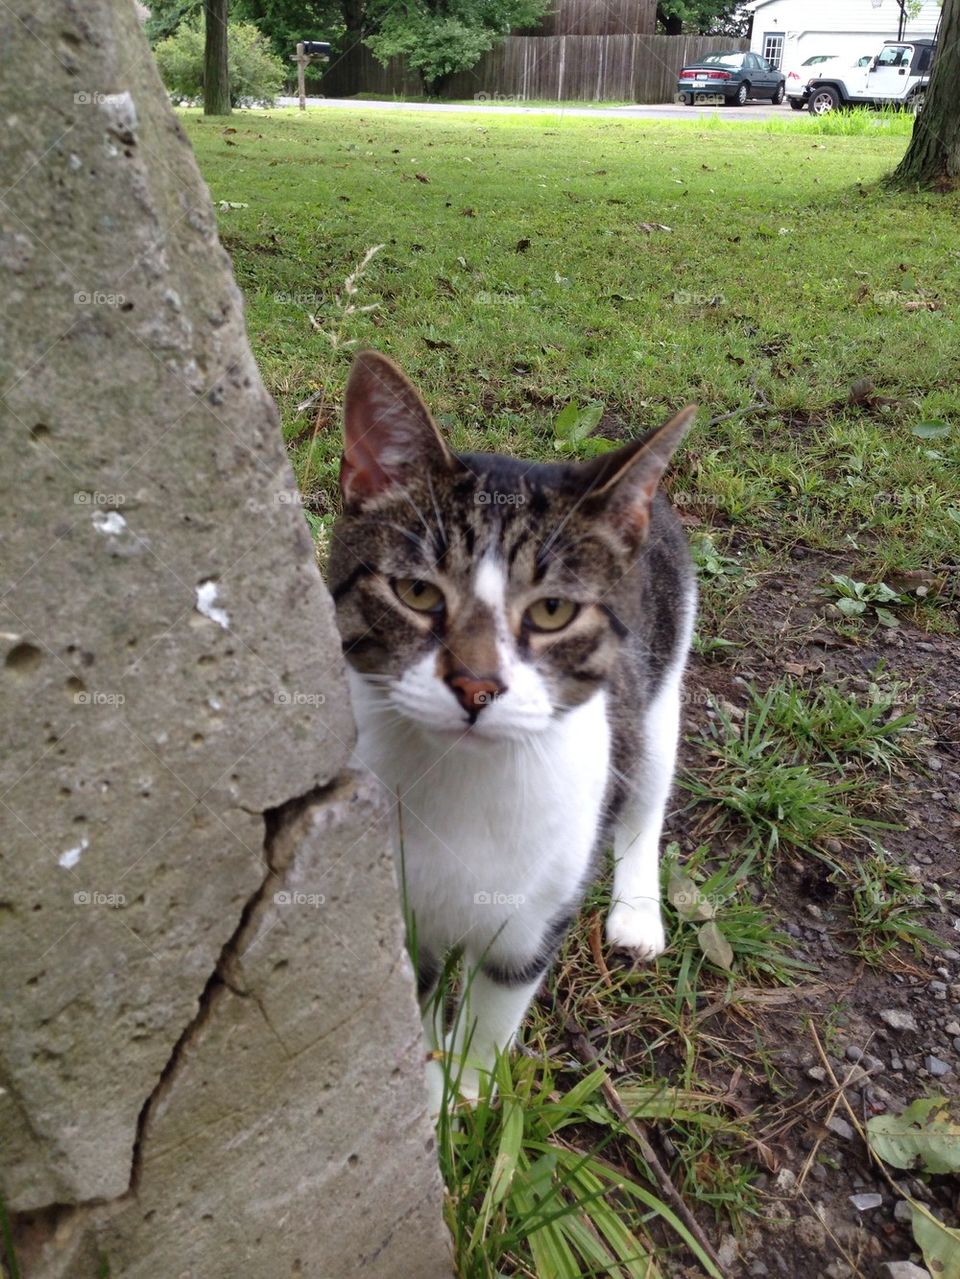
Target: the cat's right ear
(388, 435)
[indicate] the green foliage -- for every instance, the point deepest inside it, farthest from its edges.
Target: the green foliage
(440, 39)
(256, 75)
(166, 17)
(524, 1198)
(284, 22)
(573, 428)
(707, 17)
(925, 1138)
(854, 599)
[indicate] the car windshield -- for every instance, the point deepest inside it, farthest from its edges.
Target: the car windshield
(734, 60)
(819, 57)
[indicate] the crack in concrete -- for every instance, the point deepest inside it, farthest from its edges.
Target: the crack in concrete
(275, 821)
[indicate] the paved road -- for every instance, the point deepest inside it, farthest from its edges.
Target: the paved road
(658, 111)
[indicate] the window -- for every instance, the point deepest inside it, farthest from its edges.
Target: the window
(893, 55)
(773, 48)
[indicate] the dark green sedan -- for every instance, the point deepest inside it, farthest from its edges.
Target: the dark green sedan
(730, 77)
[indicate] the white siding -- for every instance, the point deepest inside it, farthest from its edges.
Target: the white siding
(846, 28)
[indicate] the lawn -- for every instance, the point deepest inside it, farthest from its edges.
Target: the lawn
(765, 272)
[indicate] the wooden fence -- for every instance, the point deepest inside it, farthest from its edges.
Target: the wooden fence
(571, 68)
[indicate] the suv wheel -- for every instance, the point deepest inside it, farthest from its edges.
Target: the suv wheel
(797, 103)
(823, 100)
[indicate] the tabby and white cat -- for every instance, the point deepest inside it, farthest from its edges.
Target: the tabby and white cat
(515, 635)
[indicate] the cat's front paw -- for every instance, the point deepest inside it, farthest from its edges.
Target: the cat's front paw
(637, 930)
(450, 1091)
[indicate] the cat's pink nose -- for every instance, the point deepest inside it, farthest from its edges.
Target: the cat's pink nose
(474, 694)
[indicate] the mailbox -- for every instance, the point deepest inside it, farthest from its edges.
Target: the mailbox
(317, 48)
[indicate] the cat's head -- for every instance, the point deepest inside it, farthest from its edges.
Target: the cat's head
(478, 592)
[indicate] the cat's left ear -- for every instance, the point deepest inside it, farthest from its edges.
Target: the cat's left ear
(389, 436)
(625, 481)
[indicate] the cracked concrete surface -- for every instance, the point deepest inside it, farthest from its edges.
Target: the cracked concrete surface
(201, 1076)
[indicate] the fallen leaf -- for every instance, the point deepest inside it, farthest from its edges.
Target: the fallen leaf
(715, 946)
(421, 177)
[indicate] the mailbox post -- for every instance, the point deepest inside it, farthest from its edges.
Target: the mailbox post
(308, 51)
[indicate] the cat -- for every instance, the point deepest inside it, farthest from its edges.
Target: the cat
(515, 636)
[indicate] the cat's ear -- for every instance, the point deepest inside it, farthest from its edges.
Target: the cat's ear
(388, 434)
(624, 482)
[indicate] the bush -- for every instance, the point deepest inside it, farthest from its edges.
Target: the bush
(256, 74)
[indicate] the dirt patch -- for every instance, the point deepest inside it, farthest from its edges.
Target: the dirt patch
(819, 1190)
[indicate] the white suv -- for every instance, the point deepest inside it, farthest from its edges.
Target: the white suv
(897, 76)
(817, 67)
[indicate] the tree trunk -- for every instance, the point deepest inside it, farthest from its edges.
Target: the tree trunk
(933, 156)
(216, 71)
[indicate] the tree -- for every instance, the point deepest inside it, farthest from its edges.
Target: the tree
(216, 66)
(706, 17)
(441, 37)
(256, 74)
(933, 156)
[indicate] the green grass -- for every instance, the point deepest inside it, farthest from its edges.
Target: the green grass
(520, 277)
(529, 272)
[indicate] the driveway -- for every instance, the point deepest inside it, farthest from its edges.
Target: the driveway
(654, 111)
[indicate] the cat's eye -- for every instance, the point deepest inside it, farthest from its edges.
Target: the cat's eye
(550, 614)
(422, 597)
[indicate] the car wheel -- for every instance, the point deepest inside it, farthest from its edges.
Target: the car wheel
(797, 104)
(687, 99)
(823, 101)
(740, 97)
(779, 94)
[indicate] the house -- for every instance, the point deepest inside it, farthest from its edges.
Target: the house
(789, 31)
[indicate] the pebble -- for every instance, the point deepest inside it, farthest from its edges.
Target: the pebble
(903, 1270)
(956, 1044)
(937, 1067)
(871, 1064)
(897, 1019)
(895, 1062)
(952, 1028)
(786, 1181)
(902, 1211)
(840, 1128)
(864, 1203)
(818, 1073)
(759, 1270)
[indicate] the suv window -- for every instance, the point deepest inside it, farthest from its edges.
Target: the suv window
(893, 55)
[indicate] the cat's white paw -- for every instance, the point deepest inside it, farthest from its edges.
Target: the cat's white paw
(457, 1093)
(638, 930)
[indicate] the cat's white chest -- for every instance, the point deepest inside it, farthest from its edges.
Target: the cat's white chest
(493, 837)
